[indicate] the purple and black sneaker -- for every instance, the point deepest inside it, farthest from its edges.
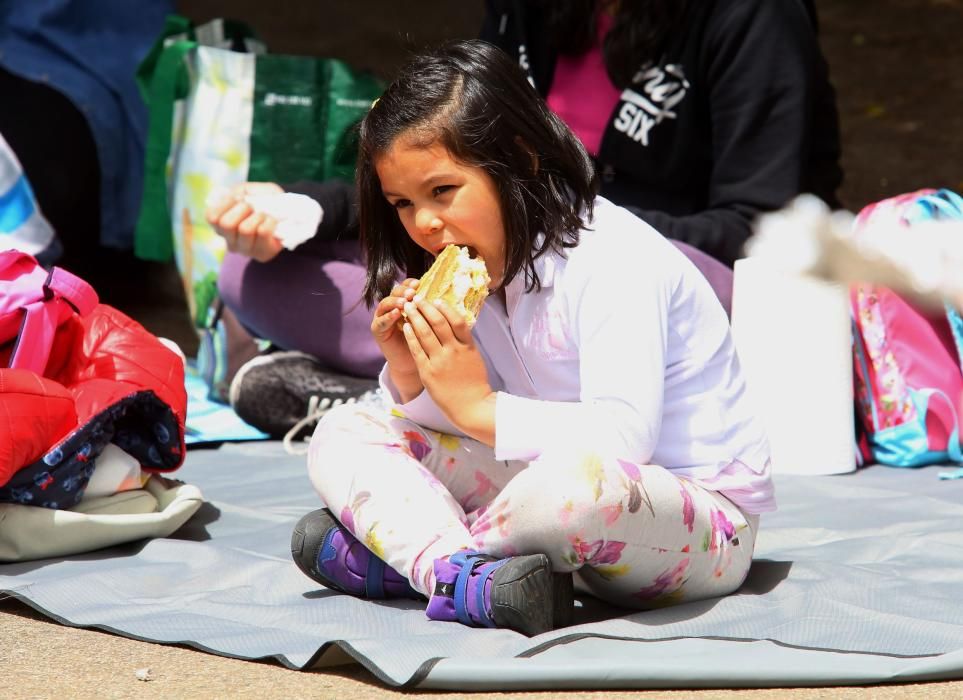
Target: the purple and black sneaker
(328, 553)
(519, 593)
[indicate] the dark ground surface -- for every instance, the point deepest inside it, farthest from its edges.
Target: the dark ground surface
(897, 66)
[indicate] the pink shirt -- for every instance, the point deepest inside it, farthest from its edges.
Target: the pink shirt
(582, 94)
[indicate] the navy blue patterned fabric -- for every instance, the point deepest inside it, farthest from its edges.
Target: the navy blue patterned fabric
(140, 424)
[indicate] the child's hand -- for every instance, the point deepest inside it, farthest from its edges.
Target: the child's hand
(391, 340)
(246, 232)
(451, 367)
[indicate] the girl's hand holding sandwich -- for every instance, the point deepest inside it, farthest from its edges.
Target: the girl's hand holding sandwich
(450, 366)
(388, 334)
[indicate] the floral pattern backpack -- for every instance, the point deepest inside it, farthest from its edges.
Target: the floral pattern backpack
(907, 359)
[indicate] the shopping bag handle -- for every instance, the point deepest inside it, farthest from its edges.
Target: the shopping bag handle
(175, 27)
(153, 235)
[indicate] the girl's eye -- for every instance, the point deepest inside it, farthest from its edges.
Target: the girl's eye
(401, 203)
(441, 189)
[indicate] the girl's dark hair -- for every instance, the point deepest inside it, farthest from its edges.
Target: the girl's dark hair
(639, 34)
(471, 98)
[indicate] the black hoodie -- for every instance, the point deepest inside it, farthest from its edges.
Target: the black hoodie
(736, 118)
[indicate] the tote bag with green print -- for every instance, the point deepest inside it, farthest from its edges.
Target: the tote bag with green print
(219, 117)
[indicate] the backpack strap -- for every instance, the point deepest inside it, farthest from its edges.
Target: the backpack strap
(956, 328)
(953, 449)
(953, 441)
(41, 318)
(31, 349)
(75, 291)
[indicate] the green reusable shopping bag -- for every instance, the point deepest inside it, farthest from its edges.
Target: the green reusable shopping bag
(219, 117)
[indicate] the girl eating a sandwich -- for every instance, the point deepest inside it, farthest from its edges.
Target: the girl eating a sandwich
(591, 425)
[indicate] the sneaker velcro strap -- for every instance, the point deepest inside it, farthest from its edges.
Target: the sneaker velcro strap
(483, 572)
(469, 561)
(374, 580)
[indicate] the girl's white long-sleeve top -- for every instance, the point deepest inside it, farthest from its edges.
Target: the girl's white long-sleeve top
(625, 350)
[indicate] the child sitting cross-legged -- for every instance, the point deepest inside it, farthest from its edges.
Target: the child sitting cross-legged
(593, 421)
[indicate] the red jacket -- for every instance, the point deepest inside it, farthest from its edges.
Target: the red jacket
(107, 380)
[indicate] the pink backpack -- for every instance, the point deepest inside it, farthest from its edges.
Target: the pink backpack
(907, 359)
(33, 303)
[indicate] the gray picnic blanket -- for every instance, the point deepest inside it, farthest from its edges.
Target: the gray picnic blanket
(856, 580)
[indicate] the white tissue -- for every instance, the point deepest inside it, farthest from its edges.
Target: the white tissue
(298, 215)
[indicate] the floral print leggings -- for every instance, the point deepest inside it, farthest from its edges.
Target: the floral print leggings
(637, 535)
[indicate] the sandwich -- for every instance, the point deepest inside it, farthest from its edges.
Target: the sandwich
(458, 280)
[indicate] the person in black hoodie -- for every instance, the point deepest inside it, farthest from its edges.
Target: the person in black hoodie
(700, 114)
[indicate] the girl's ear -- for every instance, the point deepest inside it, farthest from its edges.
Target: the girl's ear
(531, 153)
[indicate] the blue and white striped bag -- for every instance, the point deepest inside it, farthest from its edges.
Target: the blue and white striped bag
(22, 225)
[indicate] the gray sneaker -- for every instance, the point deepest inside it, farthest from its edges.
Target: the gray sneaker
(280, 391)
